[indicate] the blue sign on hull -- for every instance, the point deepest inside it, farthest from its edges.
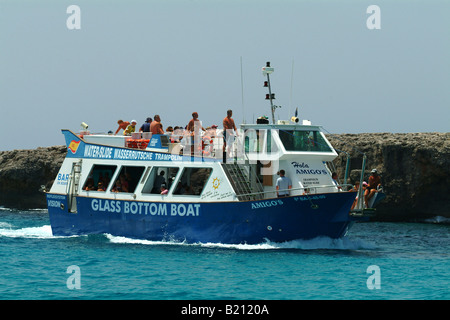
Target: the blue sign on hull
(278, 220)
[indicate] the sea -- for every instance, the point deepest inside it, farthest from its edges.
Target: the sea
(375, 261)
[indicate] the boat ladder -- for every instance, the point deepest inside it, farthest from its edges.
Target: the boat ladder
(244, 181)
(73, 186)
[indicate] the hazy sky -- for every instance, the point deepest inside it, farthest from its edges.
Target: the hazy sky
(134, 59)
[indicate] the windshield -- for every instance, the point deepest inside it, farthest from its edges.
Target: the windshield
(303, 141)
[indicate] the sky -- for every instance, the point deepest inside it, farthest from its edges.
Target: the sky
(344, 68)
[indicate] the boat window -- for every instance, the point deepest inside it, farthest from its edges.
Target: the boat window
(192, 181)
(159, 176)
(128, 179)
(303, 141)
(99, 177)
(259, 140)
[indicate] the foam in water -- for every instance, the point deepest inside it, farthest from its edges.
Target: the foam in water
(45, 232)
(313, 244)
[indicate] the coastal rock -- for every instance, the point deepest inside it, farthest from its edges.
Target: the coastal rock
(23, 172)
(414, 168)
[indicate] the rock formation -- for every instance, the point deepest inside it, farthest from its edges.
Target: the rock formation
(414, 167)
(23, 172)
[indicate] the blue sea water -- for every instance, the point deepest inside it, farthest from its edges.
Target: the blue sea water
(375, 261)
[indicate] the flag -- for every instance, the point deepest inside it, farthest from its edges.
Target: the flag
(73, 146)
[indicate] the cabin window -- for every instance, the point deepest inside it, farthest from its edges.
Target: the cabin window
(160, 176)
(99, 177)
(259, 141)
(192, 181)
(303, 141)
(128, 179)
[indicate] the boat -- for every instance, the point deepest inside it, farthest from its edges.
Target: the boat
(157, 188)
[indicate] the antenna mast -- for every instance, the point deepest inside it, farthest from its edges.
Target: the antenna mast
(270, 96)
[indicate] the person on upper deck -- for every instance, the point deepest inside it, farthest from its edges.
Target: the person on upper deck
(156, 126)
(122, 125)
(131, 128)
(228, 133)
(146, 125)
(194, 128)
(195, 124)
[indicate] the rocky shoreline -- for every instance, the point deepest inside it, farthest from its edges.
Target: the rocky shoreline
(414, 167)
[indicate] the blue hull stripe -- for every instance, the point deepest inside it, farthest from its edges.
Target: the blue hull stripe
(278, 220)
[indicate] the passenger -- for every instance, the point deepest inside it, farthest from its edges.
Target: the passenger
(195, 124)
(156, 126)
(374, 184)
(117, 187)
(334, 177)
(100, 186)
(365, 192)
(89, 185)
(283, 183)
(159, 181)
(177, 134)
(355, 189)
(214, 129)
(228, 134)
(130, 129)
(122, 125)
(164, 190)
(169, 133)
(193, 128)
(207, 146)
(146, 125)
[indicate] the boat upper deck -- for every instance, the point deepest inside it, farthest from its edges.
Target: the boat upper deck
(250, 142)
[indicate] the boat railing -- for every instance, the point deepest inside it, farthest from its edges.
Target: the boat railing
(312, 190)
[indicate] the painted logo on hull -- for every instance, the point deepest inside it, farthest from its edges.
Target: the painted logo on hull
(146, 208)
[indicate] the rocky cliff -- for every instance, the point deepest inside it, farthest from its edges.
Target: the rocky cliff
(414, 168)
(23, 172)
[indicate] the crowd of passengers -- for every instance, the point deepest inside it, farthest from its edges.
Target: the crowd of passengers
(177, 133)
(155, 126)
